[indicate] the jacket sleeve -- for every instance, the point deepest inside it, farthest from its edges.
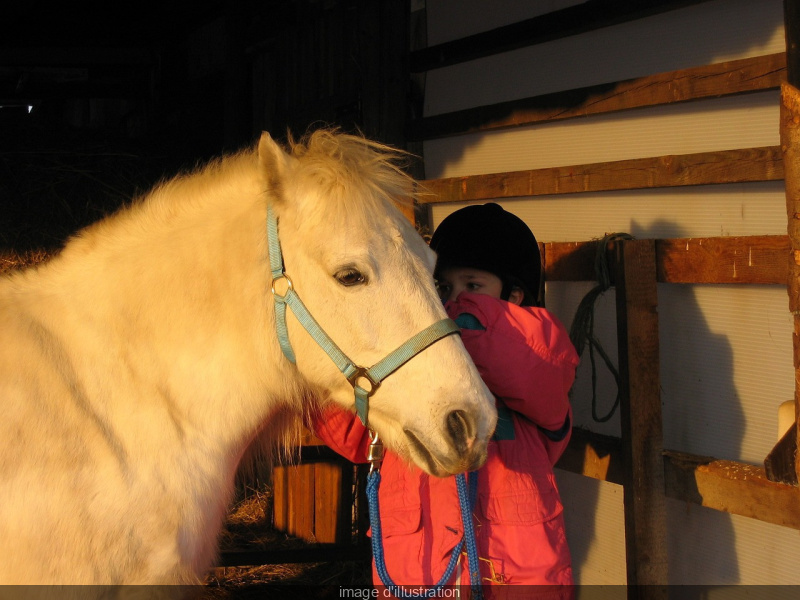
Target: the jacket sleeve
(342, 431)
(524, 356)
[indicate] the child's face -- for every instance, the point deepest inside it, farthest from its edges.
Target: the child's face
(451, 282)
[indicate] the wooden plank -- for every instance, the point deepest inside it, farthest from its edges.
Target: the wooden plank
(327, 501)
(572, 20)
(312, 498)
(301, 501)
(640, 413)
(724, 485)
(280, 498)
(735, 259)
(749, 259)
(733, 487)
(708, 81)
(704, 168)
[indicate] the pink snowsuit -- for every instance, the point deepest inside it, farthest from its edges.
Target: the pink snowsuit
(527, 360)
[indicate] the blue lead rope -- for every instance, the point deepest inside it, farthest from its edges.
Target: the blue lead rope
(466, 498)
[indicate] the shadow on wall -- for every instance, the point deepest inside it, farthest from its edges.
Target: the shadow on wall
(570, 74)
(701, 411)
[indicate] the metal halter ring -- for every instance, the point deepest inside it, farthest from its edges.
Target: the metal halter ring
(289, 287)
(361, 374)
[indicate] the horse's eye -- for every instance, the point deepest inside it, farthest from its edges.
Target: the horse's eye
(350, 277)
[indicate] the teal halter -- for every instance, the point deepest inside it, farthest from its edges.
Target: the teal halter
(365, 381)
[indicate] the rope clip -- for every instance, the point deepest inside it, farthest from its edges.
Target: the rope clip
(374, 452)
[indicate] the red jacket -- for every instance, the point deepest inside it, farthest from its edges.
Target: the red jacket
(526, 359)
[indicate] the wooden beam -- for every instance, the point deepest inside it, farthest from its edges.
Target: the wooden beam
(747, 259)
(584, 17)
(710, 81)
(760, 259)
(724, 485)
(704, 168)
(640, 413)
(732, 487)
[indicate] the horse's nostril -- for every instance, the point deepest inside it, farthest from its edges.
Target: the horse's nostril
(461, 430)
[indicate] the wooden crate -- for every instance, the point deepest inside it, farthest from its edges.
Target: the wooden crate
(316, 499)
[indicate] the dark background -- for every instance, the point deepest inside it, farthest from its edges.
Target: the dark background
(100, 100)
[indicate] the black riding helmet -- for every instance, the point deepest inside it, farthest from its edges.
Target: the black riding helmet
(489, 238)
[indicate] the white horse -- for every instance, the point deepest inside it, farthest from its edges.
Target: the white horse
(138, 364)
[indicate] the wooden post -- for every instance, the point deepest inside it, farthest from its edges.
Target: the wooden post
(641, 419)
(790, 145)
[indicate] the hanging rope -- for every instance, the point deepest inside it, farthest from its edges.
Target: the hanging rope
(582, 331)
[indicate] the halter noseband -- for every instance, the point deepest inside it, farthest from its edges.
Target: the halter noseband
(365, 381)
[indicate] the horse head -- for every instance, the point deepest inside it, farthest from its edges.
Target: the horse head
(365, 275)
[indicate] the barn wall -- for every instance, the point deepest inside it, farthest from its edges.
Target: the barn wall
(726, 352)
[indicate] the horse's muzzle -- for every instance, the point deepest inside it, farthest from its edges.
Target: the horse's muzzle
(466, 452)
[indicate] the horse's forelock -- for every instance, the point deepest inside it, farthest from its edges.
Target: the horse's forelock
(354, 174)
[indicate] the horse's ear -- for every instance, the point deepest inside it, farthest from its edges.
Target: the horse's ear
(275, 163)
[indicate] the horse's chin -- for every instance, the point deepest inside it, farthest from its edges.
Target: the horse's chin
(440, 465)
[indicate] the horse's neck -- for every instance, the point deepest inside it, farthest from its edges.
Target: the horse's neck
(167, 303)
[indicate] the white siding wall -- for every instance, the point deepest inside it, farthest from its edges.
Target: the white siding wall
(726, 354)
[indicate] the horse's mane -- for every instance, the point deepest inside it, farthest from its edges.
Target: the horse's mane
(354, 175)
(344, 166)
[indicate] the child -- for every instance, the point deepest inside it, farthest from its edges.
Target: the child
(488, 272)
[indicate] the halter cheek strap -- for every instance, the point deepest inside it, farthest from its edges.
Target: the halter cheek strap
(364, 380)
